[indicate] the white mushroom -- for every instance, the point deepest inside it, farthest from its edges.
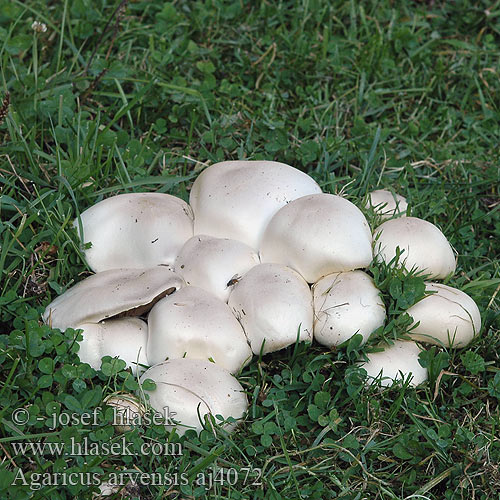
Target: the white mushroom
(273, 303)
(236, 199)
(214, 264)
(187, 389)
(135, 230)
(424, 247)
(116, 489)
(125, 338)
(448, 317)
(317, 235)
(396, 363)
(346, 304)
(128, 292)
(193, 323)
(387, 204)
(106, 489)
(128, 411)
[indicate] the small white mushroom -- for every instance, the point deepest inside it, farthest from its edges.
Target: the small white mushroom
(215, 264)
(116, 489)
(424, 247)
(387, 204)
(127, 411)
(318, 235)
(193, 323)
(126, 292)
(272, 303)
(346, 304)
(135, 230)
(448, 317)
(125, 338)
(188, 389)
(236, 199)
(396, 363)
(106, 489)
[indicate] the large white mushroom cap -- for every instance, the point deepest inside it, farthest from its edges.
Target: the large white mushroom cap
(236, 199)
(188, 387)
(425, 248)
(110, 293)
(196, 324)
(125, 338)
(346, 304)
(135, 230)
(396, 362)
(214, 263)
(448, 317)
(386, 203)
(317, 235)
(272, 303)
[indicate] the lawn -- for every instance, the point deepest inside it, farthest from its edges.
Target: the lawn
(102, 97)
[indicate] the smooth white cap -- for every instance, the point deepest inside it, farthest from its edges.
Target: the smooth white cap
(188, 387)
(107, 294)
(387, 204)
(127, 409)
(272, 302)
(236, 199)
(125, 338)
(318, 235)
(135, 230)
(106, 489)
(425, 246)
(193, 323)
(346, 304)
(396, 362)
(214, 263)
(448, 318)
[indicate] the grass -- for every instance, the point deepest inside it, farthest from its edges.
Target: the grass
(135, 96)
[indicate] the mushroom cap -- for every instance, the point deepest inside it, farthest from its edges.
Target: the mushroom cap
(125, 338)
(346, 304)
(193, 323)
(396, 362)
(318, 235)
(188, 387)
(135, 230)
(110, 293)
(448, 318)
(106, 489)
(425, 246)
(386, 203)
(272, 302)
(212, 263)
(128, 410)
(236, 199)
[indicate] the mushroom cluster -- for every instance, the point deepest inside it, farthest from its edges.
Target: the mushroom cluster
(259, 259)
